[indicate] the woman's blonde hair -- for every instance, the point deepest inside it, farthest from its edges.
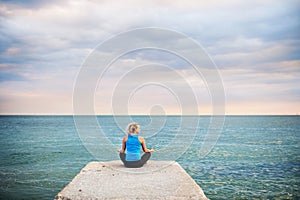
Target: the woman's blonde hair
(132, 127)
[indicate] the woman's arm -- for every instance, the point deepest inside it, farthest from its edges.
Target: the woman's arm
(123, 145)
(143, 142)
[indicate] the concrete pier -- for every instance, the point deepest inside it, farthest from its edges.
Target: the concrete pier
(111, 180)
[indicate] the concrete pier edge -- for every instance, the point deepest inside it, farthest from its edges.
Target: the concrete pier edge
(111, 180)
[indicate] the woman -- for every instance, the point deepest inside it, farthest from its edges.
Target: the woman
(132, 143)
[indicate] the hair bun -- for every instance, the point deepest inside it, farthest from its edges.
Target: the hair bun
(132, 127)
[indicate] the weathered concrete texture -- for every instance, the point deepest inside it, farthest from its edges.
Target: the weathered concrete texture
(111, 180)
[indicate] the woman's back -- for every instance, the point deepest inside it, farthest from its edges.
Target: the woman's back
(133, 146)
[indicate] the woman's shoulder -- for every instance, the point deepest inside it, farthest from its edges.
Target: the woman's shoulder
(141, 139)
(125, 138)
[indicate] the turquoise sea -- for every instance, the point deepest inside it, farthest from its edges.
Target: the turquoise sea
(255, 157)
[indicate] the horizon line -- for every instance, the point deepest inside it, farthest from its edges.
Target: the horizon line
(44, 114)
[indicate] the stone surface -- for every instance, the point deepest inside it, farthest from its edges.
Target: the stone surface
(111, 180)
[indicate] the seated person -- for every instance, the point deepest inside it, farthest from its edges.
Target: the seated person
(132, 143)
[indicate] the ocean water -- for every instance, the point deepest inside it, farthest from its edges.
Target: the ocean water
(255, 157)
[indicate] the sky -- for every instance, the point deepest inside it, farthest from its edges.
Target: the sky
(255, 46)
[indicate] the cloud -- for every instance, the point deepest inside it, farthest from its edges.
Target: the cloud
(10, 77)
(43, 44)
(251, 55)
(263, 84)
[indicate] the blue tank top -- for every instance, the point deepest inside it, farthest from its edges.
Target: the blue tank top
(133, 146)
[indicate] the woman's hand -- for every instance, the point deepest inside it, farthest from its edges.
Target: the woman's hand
(150, 150)
(120, 150)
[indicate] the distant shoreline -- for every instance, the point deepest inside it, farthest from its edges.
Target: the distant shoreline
(138, 115)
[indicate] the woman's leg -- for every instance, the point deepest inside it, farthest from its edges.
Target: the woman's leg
(123, 157)
(135, 164)
(130, 164)
(145, 158)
